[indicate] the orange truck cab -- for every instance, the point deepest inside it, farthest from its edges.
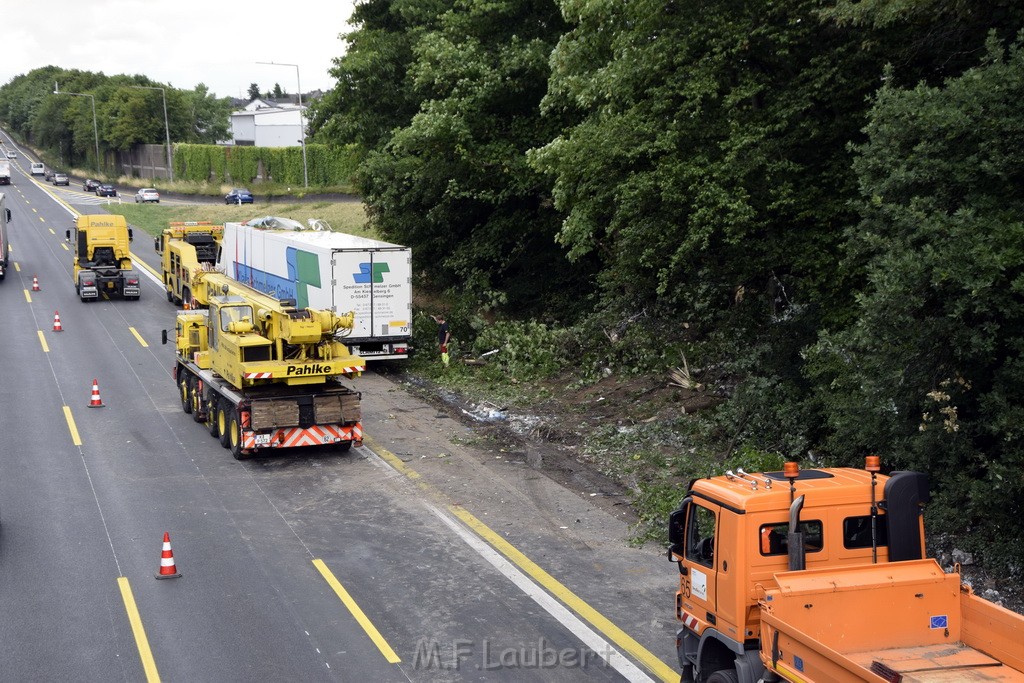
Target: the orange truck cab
(820, 576)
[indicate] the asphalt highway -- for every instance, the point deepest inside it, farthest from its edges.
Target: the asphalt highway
(309, 566)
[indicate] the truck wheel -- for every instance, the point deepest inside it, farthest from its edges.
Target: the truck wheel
(223, 424)
(211, 418)
(197, 401)
(186, 392)
(343, 446)
(235, 436)
(723, 676)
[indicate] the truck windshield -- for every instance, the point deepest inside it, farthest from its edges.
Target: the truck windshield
(231, 314)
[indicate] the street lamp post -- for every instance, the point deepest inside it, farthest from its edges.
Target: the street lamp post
(302, 119)
(167, 127)
(95, 129)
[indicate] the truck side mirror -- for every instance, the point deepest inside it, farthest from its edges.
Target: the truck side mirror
(130, 234)
(677, 528)
(67, 235)
(8, 214)
(163, 336)
(156, 244)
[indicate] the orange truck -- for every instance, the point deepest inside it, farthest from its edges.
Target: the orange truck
(820, 576)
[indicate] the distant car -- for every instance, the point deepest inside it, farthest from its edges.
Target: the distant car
(90, 185)
(61, 179)
(37, 168)
(147, 194)
(106, 191)
(48, 175)
(12, 155)
(238, 196)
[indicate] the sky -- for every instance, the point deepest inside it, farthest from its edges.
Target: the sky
(180, 42)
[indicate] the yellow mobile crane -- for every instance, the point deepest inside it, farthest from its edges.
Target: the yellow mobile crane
(262, 374)
(183, 247)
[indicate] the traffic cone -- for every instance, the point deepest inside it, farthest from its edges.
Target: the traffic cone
(56, 322)
(168, 570)
(35, 284)
(95, 402)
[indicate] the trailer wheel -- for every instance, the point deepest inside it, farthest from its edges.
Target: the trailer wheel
(235, 436)
(723, 676)
(223, 424)
(343, 446)
(185, 391)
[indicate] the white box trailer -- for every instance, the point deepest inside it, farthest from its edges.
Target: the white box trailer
(329, 270)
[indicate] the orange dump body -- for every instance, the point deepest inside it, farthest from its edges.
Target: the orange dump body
(908, 618)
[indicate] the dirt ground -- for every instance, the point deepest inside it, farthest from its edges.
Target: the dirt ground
(550, 438)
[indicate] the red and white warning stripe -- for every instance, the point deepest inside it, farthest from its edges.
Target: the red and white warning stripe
(317, 435)
(258, 375)
(689, 621)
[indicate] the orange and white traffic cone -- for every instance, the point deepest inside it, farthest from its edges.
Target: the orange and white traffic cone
(56, 322)
(35, 284)
(95, 401)
(168, 570)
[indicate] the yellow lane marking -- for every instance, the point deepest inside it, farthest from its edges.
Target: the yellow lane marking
(145, 654)
(75, 439)
(65, 246)
(142, 264)
(51, 231)
(42, 340)
(390, 458)
(571, 600)
(17, 266)
(357, 613)
(139, 337)
(28, 297)
(574, 602)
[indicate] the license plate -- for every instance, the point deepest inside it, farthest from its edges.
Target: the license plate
(262, 439)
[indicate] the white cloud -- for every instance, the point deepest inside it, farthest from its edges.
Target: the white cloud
(181, 42)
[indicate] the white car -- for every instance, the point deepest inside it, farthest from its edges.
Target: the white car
(37, 168)
(147, 194)
(12, 155)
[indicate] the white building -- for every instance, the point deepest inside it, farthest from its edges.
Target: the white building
(267, 124)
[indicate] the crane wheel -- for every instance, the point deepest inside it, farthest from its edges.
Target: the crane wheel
(186, 393)
(197, 401)
(211, 418)
(235, 436)
(223, 425)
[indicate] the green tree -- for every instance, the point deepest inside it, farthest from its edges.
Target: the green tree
(278, 93)
(454, 183)
(373, 94)
(204, 118)
(254, 91)
(931, 373)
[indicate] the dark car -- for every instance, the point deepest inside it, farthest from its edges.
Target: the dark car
(106, 191)
(90, 185)
(238, 196)
(61, 179)
(48, 175)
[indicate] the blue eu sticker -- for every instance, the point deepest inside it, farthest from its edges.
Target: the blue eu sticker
(798, 663)
(940, 621)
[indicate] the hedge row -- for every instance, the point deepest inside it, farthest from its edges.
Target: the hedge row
(326, 165)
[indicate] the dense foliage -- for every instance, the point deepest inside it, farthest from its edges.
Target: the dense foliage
(112, 113)
(817, 201)
(326, 165)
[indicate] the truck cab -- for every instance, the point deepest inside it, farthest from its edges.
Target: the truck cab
(102, 260)
(740, 540)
